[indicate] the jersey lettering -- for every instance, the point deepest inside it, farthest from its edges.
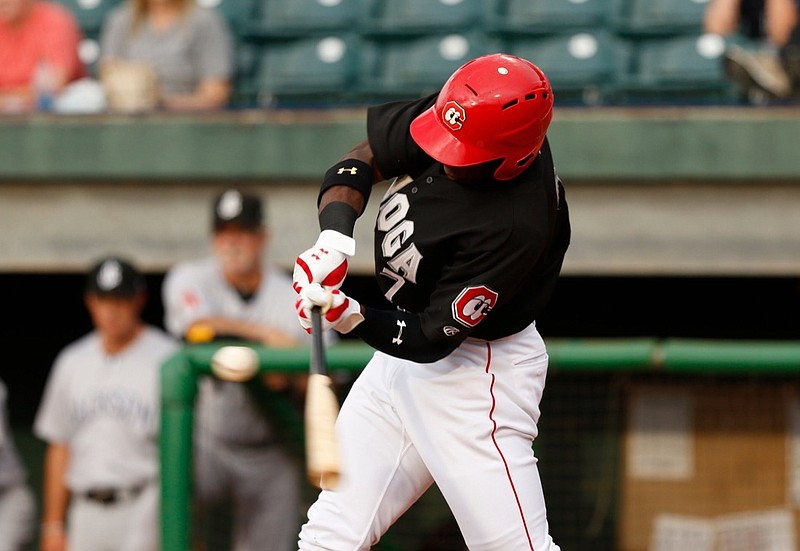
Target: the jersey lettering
(398, 283)
(392, 212)
(406, 263)
(115, 403)
(403, 263)
(396, 237)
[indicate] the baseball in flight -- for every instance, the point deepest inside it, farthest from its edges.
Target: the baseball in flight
(234, 363)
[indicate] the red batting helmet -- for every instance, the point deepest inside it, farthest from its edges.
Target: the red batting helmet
(494, 107)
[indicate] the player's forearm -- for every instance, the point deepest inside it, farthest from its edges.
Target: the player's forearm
(56, 494)
(400, 334)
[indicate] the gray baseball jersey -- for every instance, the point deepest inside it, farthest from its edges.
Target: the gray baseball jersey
(197, 289)
(235, 456)
(106, 409)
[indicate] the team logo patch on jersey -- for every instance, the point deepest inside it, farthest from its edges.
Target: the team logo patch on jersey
(472, 304)
(454, 115)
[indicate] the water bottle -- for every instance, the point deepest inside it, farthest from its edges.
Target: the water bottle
(44, 86)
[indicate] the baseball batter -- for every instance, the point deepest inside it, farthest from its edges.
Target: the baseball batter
(100, 417)
(469, 242)
(17, 510)
(234, 294)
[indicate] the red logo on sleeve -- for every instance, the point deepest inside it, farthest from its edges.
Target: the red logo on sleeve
(190, 300)
(472, 304)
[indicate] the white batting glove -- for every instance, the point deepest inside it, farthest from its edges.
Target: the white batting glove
(339, 312)
(324, 263)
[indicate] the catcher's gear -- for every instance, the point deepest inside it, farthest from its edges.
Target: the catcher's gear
(339, 312)
(494, 107)
(324, 263)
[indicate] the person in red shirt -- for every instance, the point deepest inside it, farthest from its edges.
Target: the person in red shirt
(38, 39)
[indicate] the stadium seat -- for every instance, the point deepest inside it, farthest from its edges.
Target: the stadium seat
(238, 13)
(89, 53)
(547, 16)
(413, 67)
(685, 67)
(665, 17)
(298, 18)
(245, 85)
(582, 67)
(403, 17)
(90, 13)
(308, 69)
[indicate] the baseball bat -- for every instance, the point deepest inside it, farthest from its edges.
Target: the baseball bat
(321, 409)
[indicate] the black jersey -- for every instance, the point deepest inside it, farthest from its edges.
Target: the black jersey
(469, 260)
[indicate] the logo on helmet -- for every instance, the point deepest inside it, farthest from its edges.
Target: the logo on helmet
(454, 115)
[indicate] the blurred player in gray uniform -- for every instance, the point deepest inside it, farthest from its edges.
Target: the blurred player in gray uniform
(100, 417)
(234, 294)
(469, 242)
(17, 508)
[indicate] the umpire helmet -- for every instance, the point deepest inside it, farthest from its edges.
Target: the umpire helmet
(496, 106)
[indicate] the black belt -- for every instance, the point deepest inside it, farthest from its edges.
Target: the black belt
(111, 496)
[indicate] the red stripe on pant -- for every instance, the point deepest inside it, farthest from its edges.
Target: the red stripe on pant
(497, 447)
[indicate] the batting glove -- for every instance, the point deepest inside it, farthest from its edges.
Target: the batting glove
(324, 263)
(339, 312)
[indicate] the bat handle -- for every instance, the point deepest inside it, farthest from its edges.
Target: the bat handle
(318, 364)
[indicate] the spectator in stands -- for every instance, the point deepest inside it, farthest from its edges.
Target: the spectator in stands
(38, 53)
(100, 417)
(188, 47)
(16, 499)
(769, 22)
(235, 294)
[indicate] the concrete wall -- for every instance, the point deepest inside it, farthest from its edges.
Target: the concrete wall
(670, 191)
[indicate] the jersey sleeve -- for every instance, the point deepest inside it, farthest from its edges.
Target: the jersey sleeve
(52, 422)
(395, 151)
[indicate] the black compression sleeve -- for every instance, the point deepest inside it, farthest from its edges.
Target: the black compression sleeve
(338, 216)
(400, 334)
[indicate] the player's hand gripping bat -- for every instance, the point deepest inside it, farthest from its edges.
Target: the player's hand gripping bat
(321, 410)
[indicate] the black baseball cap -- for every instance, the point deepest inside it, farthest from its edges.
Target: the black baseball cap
(235, 207)
(114, 276)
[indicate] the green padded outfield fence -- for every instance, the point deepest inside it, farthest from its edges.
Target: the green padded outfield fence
(672, 356)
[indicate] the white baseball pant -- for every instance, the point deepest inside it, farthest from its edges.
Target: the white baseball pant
(466, 422)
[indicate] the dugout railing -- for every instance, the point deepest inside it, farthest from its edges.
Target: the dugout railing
(664, 358)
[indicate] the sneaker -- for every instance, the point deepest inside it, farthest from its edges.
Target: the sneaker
(762, 69)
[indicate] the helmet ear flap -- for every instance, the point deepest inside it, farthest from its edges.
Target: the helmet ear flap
(510, 169)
